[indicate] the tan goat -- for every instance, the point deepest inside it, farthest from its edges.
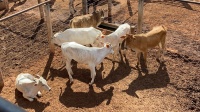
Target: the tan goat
(87, 20)
(142, 42)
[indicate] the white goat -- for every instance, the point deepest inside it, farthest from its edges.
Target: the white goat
(31, 86)
(116, 37)
(82, 54)
(83, 36)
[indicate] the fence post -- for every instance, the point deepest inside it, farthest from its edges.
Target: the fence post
(49, 27)
(140, 16)
(85, 7)
(109, 11)
(41, 10)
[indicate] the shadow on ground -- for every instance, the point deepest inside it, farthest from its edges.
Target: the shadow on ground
(116, 74)
(171, 3)
(47, 66)
(80, 74)
(83, 74)
(159, 79)
(24, 103)
(88, 99)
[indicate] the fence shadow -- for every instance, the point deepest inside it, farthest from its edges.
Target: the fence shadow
(33, 36)
(171, 3)
(68, 19)
(89, 99)
(129, 8)
(4, 13)
(47, 66)
(35, 32)
(57, 73)
(24, 103)
(187, 6)
(185, 58)
(159, 79)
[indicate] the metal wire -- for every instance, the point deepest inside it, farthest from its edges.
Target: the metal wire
(32, 27)
(15, 23)
(59, 16)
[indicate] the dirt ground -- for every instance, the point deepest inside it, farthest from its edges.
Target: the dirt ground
(119, 86)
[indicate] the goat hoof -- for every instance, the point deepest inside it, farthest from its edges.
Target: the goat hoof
(90, 84)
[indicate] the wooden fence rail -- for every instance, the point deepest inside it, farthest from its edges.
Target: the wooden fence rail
(20, 12)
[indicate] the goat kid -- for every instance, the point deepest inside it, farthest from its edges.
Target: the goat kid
(142, 42)
(116, 37)
(31, 86)
(91, 56)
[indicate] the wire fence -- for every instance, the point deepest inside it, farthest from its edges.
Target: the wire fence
(23, 39)
(63, 15)
(26, 35)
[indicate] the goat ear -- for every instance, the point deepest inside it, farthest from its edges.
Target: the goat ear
(107, 45)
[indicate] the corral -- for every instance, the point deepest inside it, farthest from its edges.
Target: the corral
(170, 86)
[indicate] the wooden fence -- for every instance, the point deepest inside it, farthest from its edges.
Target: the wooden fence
(45, 14)
(44, 8)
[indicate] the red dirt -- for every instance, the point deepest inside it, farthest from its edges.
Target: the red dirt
(170, 86)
